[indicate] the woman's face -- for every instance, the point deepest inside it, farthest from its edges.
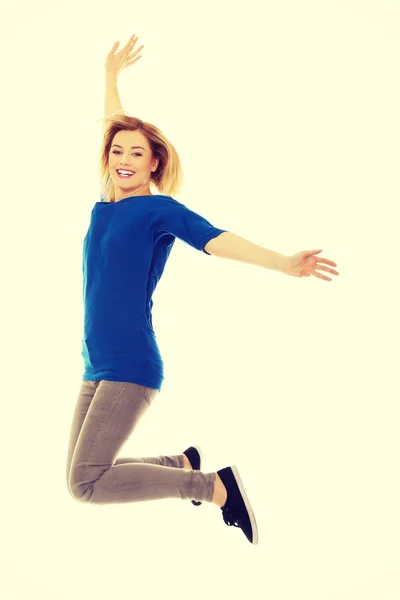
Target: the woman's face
(130, 150)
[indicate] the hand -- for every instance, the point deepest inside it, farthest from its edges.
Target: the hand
(305, 264)
(124, 58)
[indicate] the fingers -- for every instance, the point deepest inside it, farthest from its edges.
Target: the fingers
(131, 42)
(326, 261)
(132, 61)
(127, 48)
(113, 49)
(133, 54)
(321, 276)
(325, 269)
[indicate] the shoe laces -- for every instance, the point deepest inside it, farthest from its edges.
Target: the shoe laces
(229, 517)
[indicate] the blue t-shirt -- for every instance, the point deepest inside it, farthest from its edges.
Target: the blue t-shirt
(124, 254)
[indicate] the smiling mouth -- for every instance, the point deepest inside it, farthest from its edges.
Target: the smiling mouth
(124, 176)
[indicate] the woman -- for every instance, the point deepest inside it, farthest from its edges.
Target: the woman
(125, 250)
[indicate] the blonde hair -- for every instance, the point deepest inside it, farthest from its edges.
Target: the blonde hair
(167, 178)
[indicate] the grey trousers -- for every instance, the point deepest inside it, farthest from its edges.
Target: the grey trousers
(106, 413)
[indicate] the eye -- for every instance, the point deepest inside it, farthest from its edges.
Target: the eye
(117, 152)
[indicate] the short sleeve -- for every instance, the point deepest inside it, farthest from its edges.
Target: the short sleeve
(175, 218)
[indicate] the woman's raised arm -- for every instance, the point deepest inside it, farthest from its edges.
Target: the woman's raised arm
(113, 66)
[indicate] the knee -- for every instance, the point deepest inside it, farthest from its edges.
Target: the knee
(80, 492)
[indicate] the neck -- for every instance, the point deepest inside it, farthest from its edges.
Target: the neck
(143, 190)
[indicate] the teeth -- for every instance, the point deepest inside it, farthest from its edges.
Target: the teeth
(125, 172)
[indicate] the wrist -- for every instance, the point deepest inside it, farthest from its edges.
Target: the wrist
(281, 263)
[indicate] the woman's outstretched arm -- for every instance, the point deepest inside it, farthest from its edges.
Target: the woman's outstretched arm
(113, 65)
(112, 100)
(303, 264)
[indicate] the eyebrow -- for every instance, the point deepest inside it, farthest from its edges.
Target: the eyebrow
(132, 147)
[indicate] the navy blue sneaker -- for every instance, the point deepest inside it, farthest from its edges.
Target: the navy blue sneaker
(237, 510)
(194, 454)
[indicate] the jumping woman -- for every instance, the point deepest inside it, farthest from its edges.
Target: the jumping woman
(129, 239)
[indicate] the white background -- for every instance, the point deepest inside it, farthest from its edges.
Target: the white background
(286, 119)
